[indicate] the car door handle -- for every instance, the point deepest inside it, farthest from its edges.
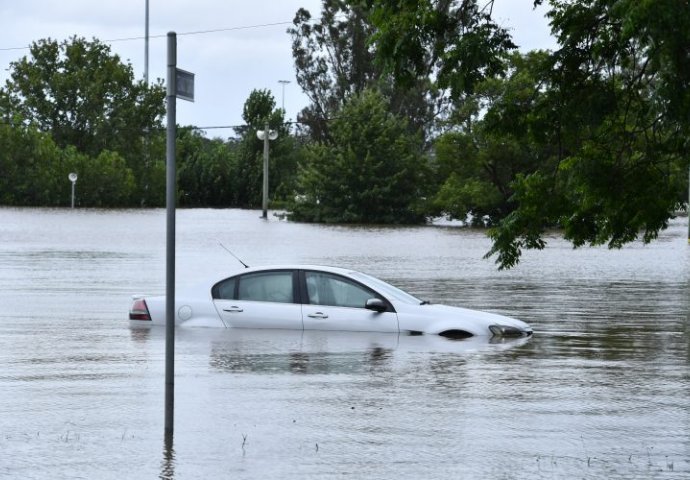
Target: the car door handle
(233, 310)
(317, 315)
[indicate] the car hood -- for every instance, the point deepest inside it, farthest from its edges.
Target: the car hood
(433, 318)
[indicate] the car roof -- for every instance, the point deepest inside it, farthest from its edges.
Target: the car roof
(323, 268)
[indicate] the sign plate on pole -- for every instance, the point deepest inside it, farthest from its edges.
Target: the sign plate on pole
(184, 82)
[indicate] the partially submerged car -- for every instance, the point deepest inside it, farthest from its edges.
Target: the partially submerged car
(310, 297)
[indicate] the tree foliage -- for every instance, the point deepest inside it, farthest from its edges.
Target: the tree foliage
(35, 172)
(455, 42)
(501, 133)
(206, 170)
(260, 110)
(332, 60)
(87, 99)
(372, 172)
(590, 138)
(229, 173)
(619, 120)
(335, 58)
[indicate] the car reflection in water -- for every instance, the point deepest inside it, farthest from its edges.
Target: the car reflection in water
(271, 351)
(334, 353)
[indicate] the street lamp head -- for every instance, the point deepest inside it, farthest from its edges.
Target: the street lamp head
(272, 134)
(72, 177)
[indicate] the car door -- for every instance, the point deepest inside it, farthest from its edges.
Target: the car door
(334, 302)
(265, 299)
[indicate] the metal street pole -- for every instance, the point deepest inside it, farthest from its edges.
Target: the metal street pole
(283, 83)
(264, 202)
(146, 46)
(171, 194)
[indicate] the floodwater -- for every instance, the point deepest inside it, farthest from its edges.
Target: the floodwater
(602, 390)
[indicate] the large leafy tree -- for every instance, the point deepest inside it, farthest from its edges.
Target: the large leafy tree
(335, 59)
(332, 60)
(85, 97)
(502, 130)
(603, 148)
(457, 43)
(372, 172)
(620, 122)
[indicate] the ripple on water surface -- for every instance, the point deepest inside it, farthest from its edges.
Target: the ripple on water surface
(600, 391)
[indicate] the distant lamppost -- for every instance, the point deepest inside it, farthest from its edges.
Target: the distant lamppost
(283, 83)
(72, 178)
(272, 135)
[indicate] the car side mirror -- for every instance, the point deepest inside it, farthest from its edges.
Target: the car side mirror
(376, 304)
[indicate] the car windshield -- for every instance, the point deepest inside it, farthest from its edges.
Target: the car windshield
(386, 288)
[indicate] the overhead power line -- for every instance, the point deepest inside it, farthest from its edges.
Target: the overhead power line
(179, 34)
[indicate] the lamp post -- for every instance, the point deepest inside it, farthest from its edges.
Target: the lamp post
(72, 178)
(283, 83)
(146, 45)
(266, 135)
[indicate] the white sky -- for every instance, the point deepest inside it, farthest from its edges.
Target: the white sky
(227, 64)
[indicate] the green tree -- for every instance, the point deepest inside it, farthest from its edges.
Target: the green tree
(372, 172)
(332, 60)
(206, 170)
(335, 59)
(502, 132)
(457, 43)
(36, 169)
(602, 151)
(31, 167)
(619, 121)
(85, 97)
(104, 181)
(259, 110)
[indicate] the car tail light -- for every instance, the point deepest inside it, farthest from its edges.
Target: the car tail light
(139, 310)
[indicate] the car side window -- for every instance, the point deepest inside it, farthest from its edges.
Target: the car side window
(266, 287)
(225, 290)
(333, 290)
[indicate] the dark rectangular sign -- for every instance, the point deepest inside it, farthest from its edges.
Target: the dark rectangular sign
(184, 81)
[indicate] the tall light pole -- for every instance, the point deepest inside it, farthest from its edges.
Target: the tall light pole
(283, 83)
(266, 135)
(146, 46)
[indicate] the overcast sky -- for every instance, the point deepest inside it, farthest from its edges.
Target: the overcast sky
(249, 48)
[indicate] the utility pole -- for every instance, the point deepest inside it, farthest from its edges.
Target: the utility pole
(146, 46)
(283, 83)
(171, 197)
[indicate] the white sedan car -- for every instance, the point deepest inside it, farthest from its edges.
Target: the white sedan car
(307, 297)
